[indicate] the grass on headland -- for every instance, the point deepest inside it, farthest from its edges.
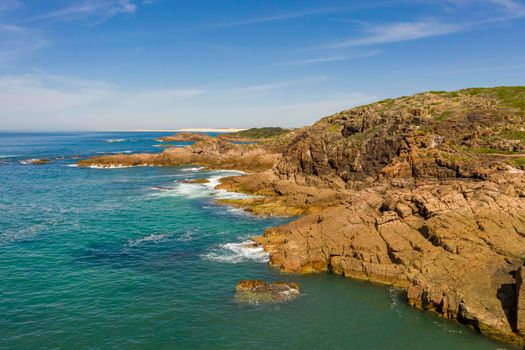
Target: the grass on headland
(518, 162)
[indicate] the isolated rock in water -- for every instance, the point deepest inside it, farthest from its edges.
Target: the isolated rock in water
(257, 291)
(35, 161)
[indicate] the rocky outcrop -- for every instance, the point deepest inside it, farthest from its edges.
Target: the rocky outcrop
(259, 292)
(454, 246)
(426, 193)
(213, 153)
(185, 137)
(35, 161)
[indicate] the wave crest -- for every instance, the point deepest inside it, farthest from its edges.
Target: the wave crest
(235, 253)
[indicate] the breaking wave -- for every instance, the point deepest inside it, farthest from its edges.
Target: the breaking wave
(196, 190)
(235, 253)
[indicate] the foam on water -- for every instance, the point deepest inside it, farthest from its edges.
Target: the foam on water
(235, 253)
(193, 169)
(29, 161)
(115, 152)
(116, 140)
(192, 190)
(150, 238)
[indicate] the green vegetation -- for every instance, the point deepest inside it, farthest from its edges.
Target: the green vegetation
(512, 96)
(260, 133)
(488, 150)
(334, 128)
(518, 162)
(444, 115)
(514, 135)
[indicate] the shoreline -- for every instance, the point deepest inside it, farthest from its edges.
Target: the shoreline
(407, 192)
(219, 130)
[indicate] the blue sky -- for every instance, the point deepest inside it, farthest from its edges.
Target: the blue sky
(165, 64)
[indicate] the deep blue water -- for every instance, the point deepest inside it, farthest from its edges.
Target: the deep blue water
(132, 259)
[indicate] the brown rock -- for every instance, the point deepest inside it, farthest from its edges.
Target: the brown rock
(257, 291)
(520, 306)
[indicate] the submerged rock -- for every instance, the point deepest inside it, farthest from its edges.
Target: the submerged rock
(196, 181)
(35, 161)
(257, 291)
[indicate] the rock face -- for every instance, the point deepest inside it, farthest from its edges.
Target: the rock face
(425, 192)
(431, 198)
(520, 291)
(259, 292)
(213, 153)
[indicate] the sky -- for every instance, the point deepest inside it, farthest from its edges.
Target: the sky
(167, 64)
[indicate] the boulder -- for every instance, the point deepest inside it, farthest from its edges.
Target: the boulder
(258, 292)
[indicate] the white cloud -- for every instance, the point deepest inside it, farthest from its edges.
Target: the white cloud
(99, 9)
(468, 15)
(396, 32)
(327, 59)
(44, 101)
(16, 41)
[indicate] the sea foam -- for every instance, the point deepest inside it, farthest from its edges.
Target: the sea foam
(150, 238)
(192, 190)
(235, 253)
(116, 140)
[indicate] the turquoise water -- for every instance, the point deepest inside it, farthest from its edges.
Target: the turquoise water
(132, 259)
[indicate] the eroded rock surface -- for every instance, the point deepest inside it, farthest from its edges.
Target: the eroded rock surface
(261, 292)
(424, 192)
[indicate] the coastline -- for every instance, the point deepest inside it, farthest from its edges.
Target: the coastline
(219, 130)
(382, 199)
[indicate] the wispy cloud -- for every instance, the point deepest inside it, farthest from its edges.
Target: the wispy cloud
(396, 32)
(493, 11)
(257, 88)
(64, 102)
(99, 9)
(8, 5)
(327, 59)
(16, 41)
(274, 18)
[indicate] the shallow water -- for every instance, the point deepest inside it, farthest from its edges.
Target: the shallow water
(132, 259)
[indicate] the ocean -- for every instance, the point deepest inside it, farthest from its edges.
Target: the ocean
(133, 258)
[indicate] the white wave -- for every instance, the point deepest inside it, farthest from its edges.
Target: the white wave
(184, 190)
(72, 165)
(115, 166)
(32, 161)
(116, 140)
(150, 238)
(116, 152)
(119, 166)
(200, 190)
(193, 169)
(235, 253)
(9, 156)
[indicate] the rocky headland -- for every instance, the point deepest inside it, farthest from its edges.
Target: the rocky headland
(266, 134)
(183, 136)
(426, 193)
